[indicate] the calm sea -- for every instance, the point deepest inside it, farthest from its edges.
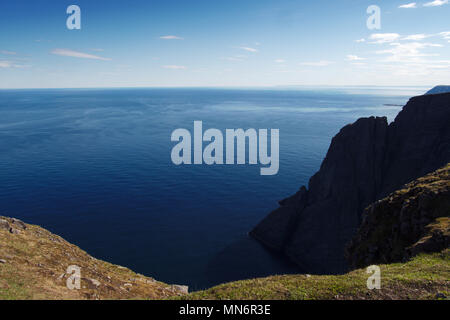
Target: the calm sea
(94, 166)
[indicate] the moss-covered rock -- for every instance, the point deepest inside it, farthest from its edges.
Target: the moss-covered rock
(412, 220)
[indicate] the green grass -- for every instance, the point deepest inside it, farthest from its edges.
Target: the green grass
(421, 278)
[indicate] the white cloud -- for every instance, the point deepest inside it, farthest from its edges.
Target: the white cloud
(408, 52)
(174, 67)
(322, 63)
(352, 57)
(77, 54)
(445, 35)
(249, 49)
(170, 37)
(360, 40)
(280, 61)
(384, 37)
(416, 37)
(436, 3)
(408, 6)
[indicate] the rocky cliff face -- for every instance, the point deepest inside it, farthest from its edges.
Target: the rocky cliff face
(366, 161)
(413, 220)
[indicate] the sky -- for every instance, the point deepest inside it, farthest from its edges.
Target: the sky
(223, 43)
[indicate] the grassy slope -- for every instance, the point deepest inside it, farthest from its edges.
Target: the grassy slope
(421, 278)
(35, 262)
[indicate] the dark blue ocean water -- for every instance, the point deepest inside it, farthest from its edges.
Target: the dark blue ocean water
(94, 166)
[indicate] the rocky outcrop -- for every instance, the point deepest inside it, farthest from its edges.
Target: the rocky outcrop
(12, 225)
(413, 220)
(366, 161)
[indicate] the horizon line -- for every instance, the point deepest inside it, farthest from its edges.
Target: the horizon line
(225, 87)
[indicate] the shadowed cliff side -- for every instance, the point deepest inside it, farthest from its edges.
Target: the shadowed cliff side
(366, 161)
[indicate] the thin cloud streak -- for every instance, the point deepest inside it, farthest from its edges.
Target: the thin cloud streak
(77, 54)
(322, 63)
(249, 49)
(174, 67)
(352, 57)
(171, 37)
(412, 5)
(436, 3)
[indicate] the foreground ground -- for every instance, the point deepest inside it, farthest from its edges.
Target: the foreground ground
(33, 264)
(427, 276)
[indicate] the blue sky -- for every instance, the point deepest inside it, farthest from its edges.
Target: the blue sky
(246, 43)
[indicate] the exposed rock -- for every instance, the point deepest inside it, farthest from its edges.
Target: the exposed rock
(18, 223)
(4, 224)
(14, 231)
(366, 161)
(2, 261)
(180, 289)
(12, 225)
(92, 283)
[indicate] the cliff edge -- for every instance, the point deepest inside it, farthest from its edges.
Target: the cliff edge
(366, 161)
(406, 234)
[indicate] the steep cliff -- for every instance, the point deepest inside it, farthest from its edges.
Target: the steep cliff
(366, 161)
